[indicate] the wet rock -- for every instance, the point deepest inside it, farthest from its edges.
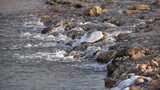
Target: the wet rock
(139, 7)
(131, 12)
(110, 82)
(81, 46)
(78, 5)
(139, 81)
(92, 37)
(45, 18)
(75, 33)
(91, 51)
(129, 83)
(50, 2)
(143, 67)
(154, 85)
(96, 11)
(136, 88)
(122, 36)
(136, 53)
(105, 56)
(157, 2)
(75, 54)
(54, 2)
(46, 30)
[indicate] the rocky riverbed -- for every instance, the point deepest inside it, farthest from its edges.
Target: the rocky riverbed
(123, 34)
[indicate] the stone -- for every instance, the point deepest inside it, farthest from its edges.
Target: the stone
(136, 53)
(143, 67)
(92, 37)
(157, 2)
(75, 54)
(75, 33)
(135, 88)
(109, 82)
(153, 85)
(91, 51)
(95, 11)
(78, 5)
(46, 30)
(139, 81)
(140, 7)
(45, 18)
(137, 9)
(122, 36)
(105, 56)
(131, 12)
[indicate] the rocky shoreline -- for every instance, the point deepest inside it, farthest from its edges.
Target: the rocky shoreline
(124, 35)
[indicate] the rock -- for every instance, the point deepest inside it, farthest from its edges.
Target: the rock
(153, 85)
(91, 51)
(78, 5)
(139, 81)
(139, 7)
(75, 33)
(92, 37)
(136, 53)
(122, 36)
(105, 56)
(95, 11)
(45, 18)
(131, 12)
(157, 2)
(46, 30)
(135, 88)
(109, 82)
(80, 46)
(75, 54)
(143, 67)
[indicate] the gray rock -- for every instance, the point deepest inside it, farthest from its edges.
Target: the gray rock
(92, 37)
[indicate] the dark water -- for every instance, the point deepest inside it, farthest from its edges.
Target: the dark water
(30, 61)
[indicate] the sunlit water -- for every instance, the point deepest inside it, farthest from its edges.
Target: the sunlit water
(31, 61)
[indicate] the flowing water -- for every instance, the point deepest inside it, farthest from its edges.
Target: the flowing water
(31, 61)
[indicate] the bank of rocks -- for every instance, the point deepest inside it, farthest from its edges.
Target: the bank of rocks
(102, 31)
